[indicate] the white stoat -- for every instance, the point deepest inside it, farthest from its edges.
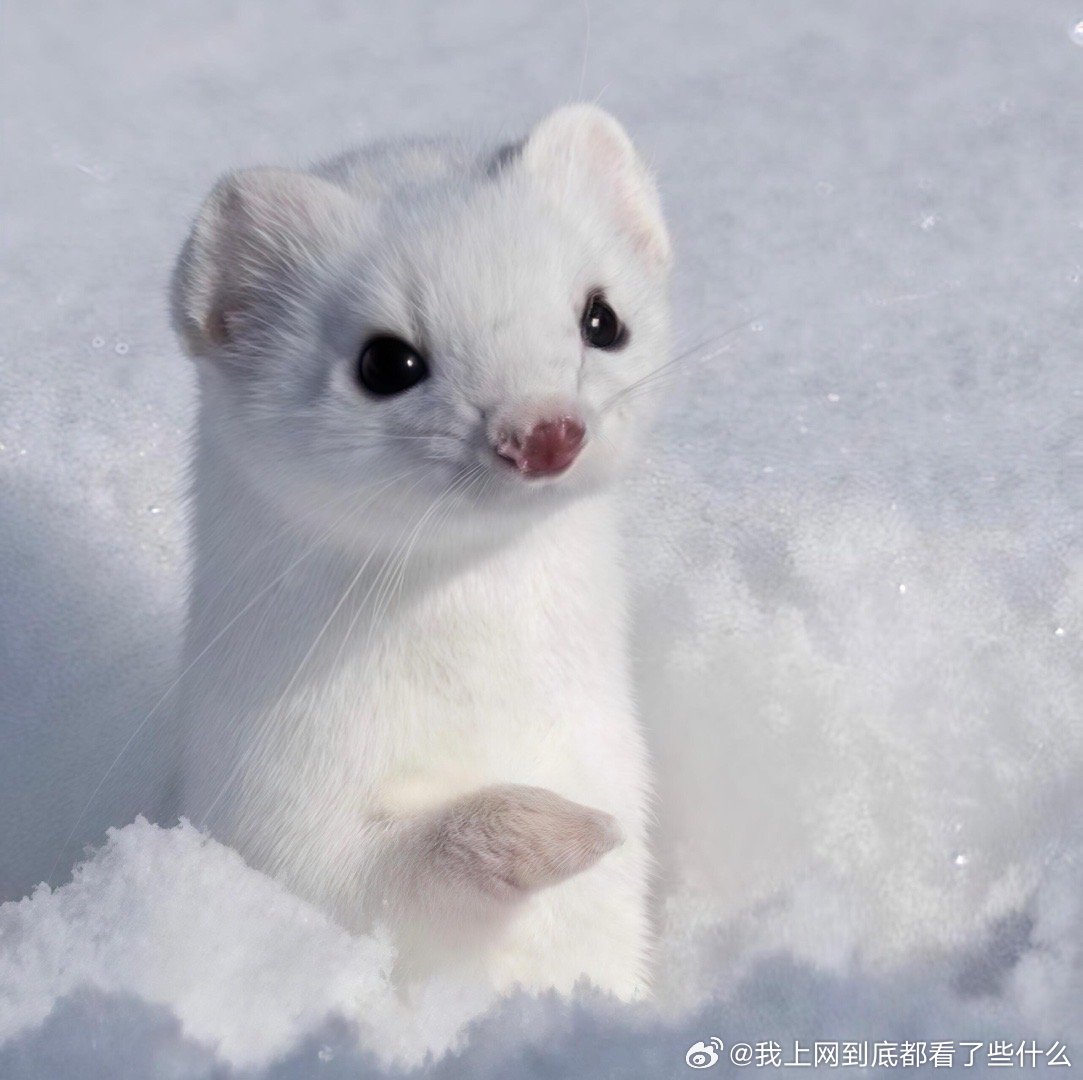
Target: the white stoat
(406, 689)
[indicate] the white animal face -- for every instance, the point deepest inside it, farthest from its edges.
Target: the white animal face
(462, 346)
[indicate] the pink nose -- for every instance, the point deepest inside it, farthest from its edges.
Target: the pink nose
(549, 447)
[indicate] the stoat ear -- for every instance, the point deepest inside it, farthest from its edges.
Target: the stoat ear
(582, 146)
(255, 230)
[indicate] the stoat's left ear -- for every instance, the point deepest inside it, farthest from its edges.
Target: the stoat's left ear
(582, 146)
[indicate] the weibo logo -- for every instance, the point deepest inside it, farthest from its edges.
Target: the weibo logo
(703, 1055)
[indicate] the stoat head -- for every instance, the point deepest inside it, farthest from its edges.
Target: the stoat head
(465, 344)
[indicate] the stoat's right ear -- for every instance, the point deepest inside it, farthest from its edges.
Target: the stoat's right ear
(254, 232)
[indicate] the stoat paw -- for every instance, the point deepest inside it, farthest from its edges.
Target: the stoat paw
(510, 840)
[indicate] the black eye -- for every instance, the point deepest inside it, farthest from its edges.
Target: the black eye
(388, 366)
(601, 327)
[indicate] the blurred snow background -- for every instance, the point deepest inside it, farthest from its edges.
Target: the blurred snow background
(857, 530)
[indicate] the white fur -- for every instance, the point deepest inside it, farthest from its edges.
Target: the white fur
(384, 618)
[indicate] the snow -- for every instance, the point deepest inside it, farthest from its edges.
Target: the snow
(856, 532)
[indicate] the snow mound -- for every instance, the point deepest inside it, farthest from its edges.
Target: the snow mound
(171, 918)
(167, 956)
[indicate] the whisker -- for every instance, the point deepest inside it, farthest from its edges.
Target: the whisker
(586, 51)
(660, 378)
(274, 538)
(199, 656)
(672, 365)
(384, 580)
(297, 673)
(456, 488)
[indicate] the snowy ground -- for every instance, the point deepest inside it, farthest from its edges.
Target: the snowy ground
(858, 532)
